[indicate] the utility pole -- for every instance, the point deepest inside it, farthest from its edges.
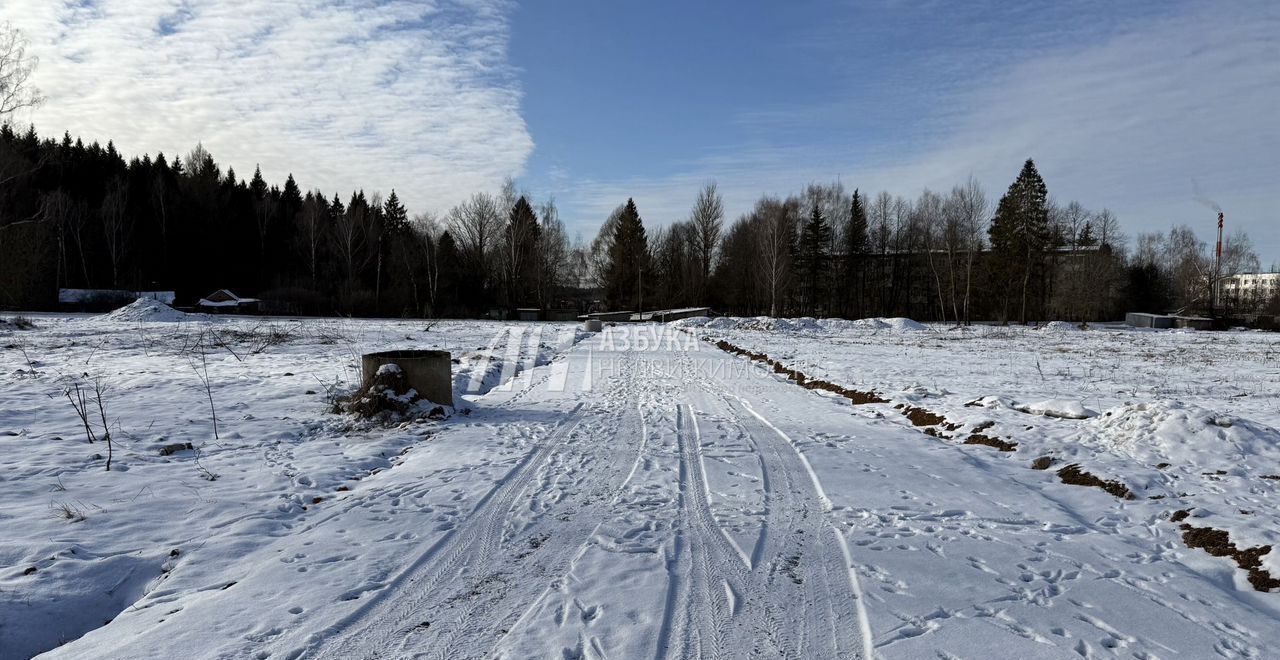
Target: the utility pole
(1217, 271)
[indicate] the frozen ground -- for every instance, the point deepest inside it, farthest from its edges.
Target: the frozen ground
(81, 545)
(641, 494)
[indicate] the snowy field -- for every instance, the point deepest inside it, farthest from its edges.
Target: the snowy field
(639, 493)
(82, 546)
(1181, 416)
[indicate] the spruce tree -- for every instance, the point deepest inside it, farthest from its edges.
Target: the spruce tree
(448, 275)
(521, 247)
(394, 214)
(1019, 233)
(290, 205)
(855, 251)
(628, 261)
(336, 209)
(258, 185)
(292, 195)
(813, 254)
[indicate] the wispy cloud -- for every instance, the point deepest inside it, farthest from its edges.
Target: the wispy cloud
(1124, 120)
(407, 94)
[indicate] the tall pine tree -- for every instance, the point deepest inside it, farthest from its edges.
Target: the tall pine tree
(813, 255)
(1019, 235)
(520, 247)
(628, 262)
(394, 215)
(855, 254)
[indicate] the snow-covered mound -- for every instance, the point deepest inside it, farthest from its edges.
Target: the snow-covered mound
(1064, 408)
(1060, 326)
(1188, 434)
(802, 325)
(899, 324)
(765, 324)
(806, 324)
(840, 325)
(691, 322)
(145, 309)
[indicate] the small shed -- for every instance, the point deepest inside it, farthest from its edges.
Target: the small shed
(1193, 322)
(1141, 320)
(527, 313)
(224, 301)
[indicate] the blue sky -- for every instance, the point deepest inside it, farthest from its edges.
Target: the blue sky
(653, 99)
(1123, 105)
(669, 83)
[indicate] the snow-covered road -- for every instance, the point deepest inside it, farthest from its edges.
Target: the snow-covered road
(649, 496)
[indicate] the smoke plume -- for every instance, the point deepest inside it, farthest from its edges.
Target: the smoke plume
(1202, 199)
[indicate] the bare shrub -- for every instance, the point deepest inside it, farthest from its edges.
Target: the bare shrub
(86, 399)
(196, 348)
(68, 512)
(241, 343)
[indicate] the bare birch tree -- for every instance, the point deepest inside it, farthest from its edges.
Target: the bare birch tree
(476, 224)
(315, 210)
(707, 219)
(775, 234)
(16, 68)
(553, 253)
(931, 229)
(117, 227)
(970, 207)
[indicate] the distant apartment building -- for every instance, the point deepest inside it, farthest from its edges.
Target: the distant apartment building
(1249, 291)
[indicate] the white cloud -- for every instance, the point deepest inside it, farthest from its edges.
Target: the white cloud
(407, 94)
(1124, 122)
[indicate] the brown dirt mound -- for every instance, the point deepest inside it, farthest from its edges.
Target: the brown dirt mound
(980, 439)
(1042, 463)
(922, 417)
(857, 397)
(1073, 475)
(1218, 543)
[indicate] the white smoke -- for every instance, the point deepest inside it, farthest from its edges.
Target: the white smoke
(1202, 199)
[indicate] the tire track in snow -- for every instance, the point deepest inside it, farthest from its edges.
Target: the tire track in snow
(802, 579)
(489, 605)
(481, 621)
(724, 593)
(532, 607)
(714, 563)
(385, 614)
(789, 598)
(467, 599)
(850, 571)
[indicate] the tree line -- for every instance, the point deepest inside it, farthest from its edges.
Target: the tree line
(80, 216)
(952, 256)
